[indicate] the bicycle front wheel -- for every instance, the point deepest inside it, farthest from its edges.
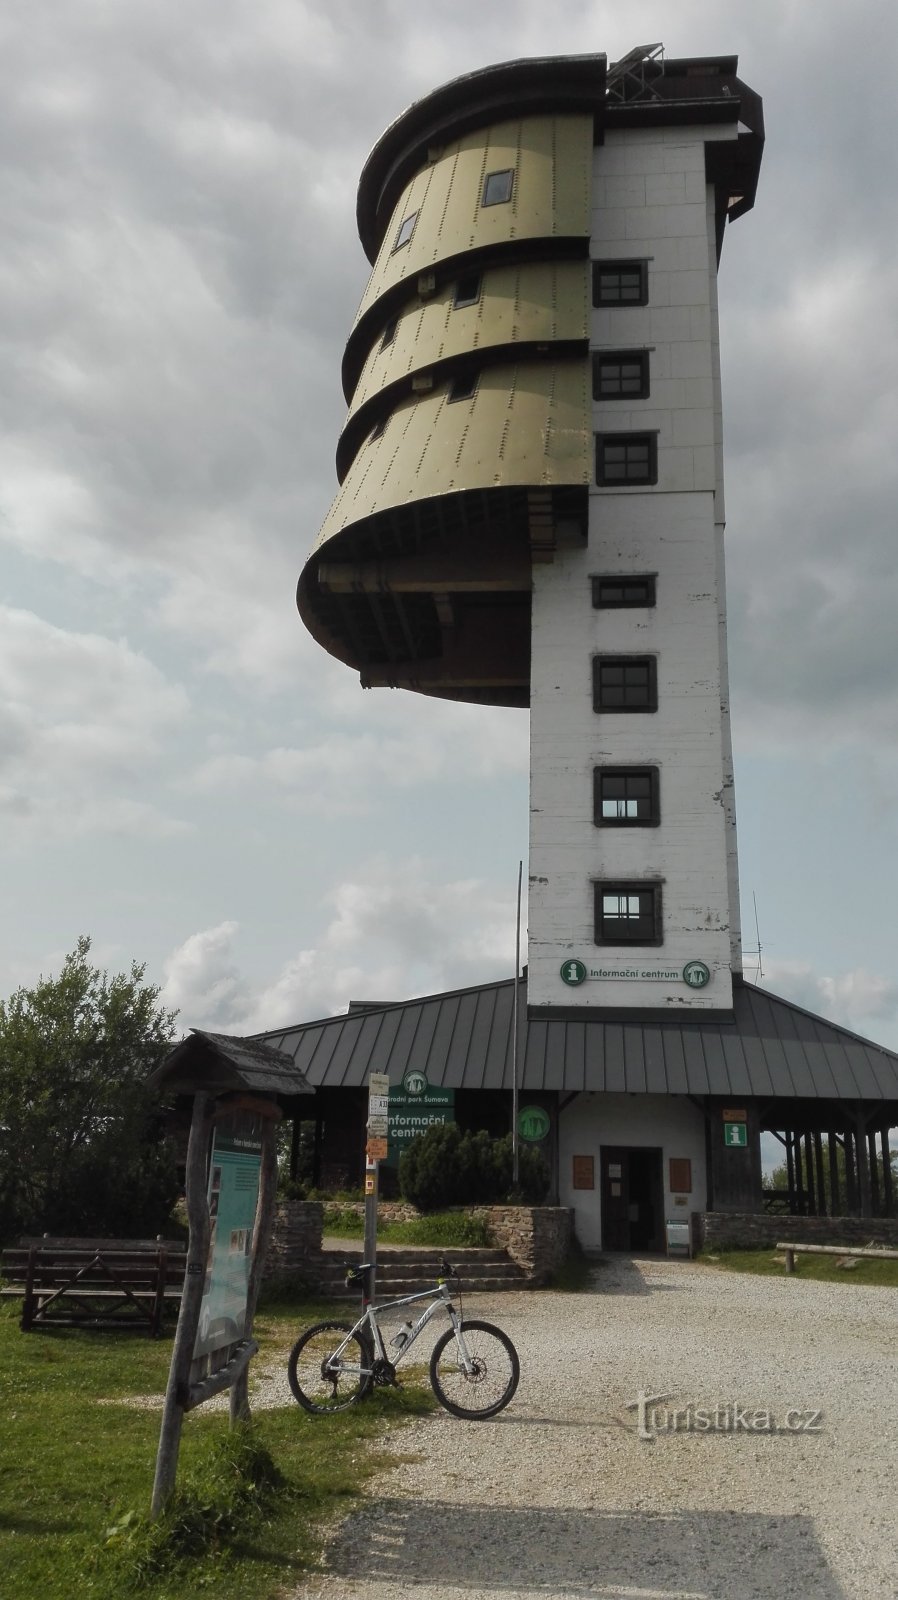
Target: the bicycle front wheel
(491, 1384)
(329, 1367)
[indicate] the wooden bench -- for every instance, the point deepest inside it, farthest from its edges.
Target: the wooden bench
(871, 1252)
(94, 1283)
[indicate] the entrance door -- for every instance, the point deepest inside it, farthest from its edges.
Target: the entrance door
(632, 1198)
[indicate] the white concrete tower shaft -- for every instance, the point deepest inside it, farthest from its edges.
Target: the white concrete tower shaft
(633, 871)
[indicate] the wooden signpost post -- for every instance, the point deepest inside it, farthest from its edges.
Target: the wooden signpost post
(231, 1189)
(375, 1152)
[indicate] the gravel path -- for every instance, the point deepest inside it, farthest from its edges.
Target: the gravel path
(559, 1498)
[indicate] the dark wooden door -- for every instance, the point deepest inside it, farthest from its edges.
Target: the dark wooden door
(615, 1198)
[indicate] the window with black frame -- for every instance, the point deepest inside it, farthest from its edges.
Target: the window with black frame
(628, 913)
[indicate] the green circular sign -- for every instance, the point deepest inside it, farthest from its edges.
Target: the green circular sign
(696, 974)
(573, 972)
(533, 1123)
(414, 1082)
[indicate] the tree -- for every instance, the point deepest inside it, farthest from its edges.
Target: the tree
(445, 1167)
(81, 1139)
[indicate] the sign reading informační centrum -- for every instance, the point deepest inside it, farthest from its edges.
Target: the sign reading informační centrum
(695, 974)
(415, 1107)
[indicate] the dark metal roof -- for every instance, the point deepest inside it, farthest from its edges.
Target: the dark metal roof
(222, 1062)
(766, 1047)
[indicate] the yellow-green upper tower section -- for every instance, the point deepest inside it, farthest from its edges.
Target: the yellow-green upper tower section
(467, 451)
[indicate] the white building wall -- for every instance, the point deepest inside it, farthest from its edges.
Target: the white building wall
(647, 1121)
(651, 201)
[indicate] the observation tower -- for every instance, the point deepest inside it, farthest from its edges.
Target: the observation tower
(530, 510)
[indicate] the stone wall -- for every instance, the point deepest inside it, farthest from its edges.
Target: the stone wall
(537, 1238)
(295, 1238)
(721, 1230)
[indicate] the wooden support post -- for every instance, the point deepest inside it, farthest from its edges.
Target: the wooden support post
(835, 1199)
(800, 1201)
(888, 1187)
(874, 1173)
(268, 1183)
(188, 1318)
(790, 1170)
(809, 1173)
(865, 1208)
(822, 1207)
(790, 1260)
(850, 1173)
(316, 1153)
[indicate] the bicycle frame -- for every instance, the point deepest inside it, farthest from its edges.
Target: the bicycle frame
(440, 1300)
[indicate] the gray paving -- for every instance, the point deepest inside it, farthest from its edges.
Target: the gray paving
(559, 1498)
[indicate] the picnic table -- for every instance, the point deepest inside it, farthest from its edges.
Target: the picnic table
(94, 1283)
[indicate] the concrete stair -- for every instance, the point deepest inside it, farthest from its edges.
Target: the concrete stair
(405, 1271)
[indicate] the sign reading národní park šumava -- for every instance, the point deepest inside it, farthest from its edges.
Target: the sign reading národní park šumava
(415, 1107)
(695, 974)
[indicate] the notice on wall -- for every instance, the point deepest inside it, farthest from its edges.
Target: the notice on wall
(584, 1172)
(234, 1175)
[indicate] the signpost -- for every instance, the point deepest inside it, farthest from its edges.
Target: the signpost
(231, 1187)
(229, 1229)
(375, 1149)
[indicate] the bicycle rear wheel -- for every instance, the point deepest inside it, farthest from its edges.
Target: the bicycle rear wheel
(323, 1381)
(492, 1383)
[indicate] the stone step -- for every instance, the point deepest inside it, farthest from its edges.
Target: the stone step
(407, 1271)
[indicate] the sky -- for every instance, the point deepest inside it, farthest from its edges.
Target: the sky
(185, 776)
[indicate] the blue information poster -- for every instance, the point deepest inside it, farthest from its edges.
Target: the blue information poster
(233, 1196)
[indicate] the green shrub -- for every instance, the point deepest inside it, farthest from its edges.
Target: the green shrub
(445, 1167)
(236, 1484)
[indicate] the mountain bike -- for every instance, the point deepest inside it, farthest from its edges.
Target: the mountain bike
(474, 1367)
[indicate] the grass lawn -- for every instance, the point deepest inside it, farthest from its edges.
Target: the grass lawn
(441, 1228)
(822, 1269)
(73, 1467)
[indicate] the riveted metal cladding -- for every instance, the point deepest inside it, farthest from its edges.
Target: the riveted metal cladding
(467, 450)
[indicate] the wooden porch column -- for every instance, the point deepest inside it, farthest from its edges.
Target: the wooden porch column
(818, 1167)
(799, 1201)
(852, 1200)
(888, 1191)
(874, 1172)
(865, 1207)
(834, 1194)
(813, 1208)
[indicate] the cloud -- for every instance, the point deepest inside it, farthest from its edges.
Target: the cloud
(82, 718)
(410, 746)
(389, 938)
(850, 999)
(201, 979)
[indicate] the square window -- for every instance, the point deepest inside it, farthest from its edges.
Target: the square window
(497, 187)
(626, 797)
(613, 593)
(406, 229)
(628, 913)
(620, 283)
(467, 290)
(462, 387)
(624, 683)
(620, 375)
(626, 459)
